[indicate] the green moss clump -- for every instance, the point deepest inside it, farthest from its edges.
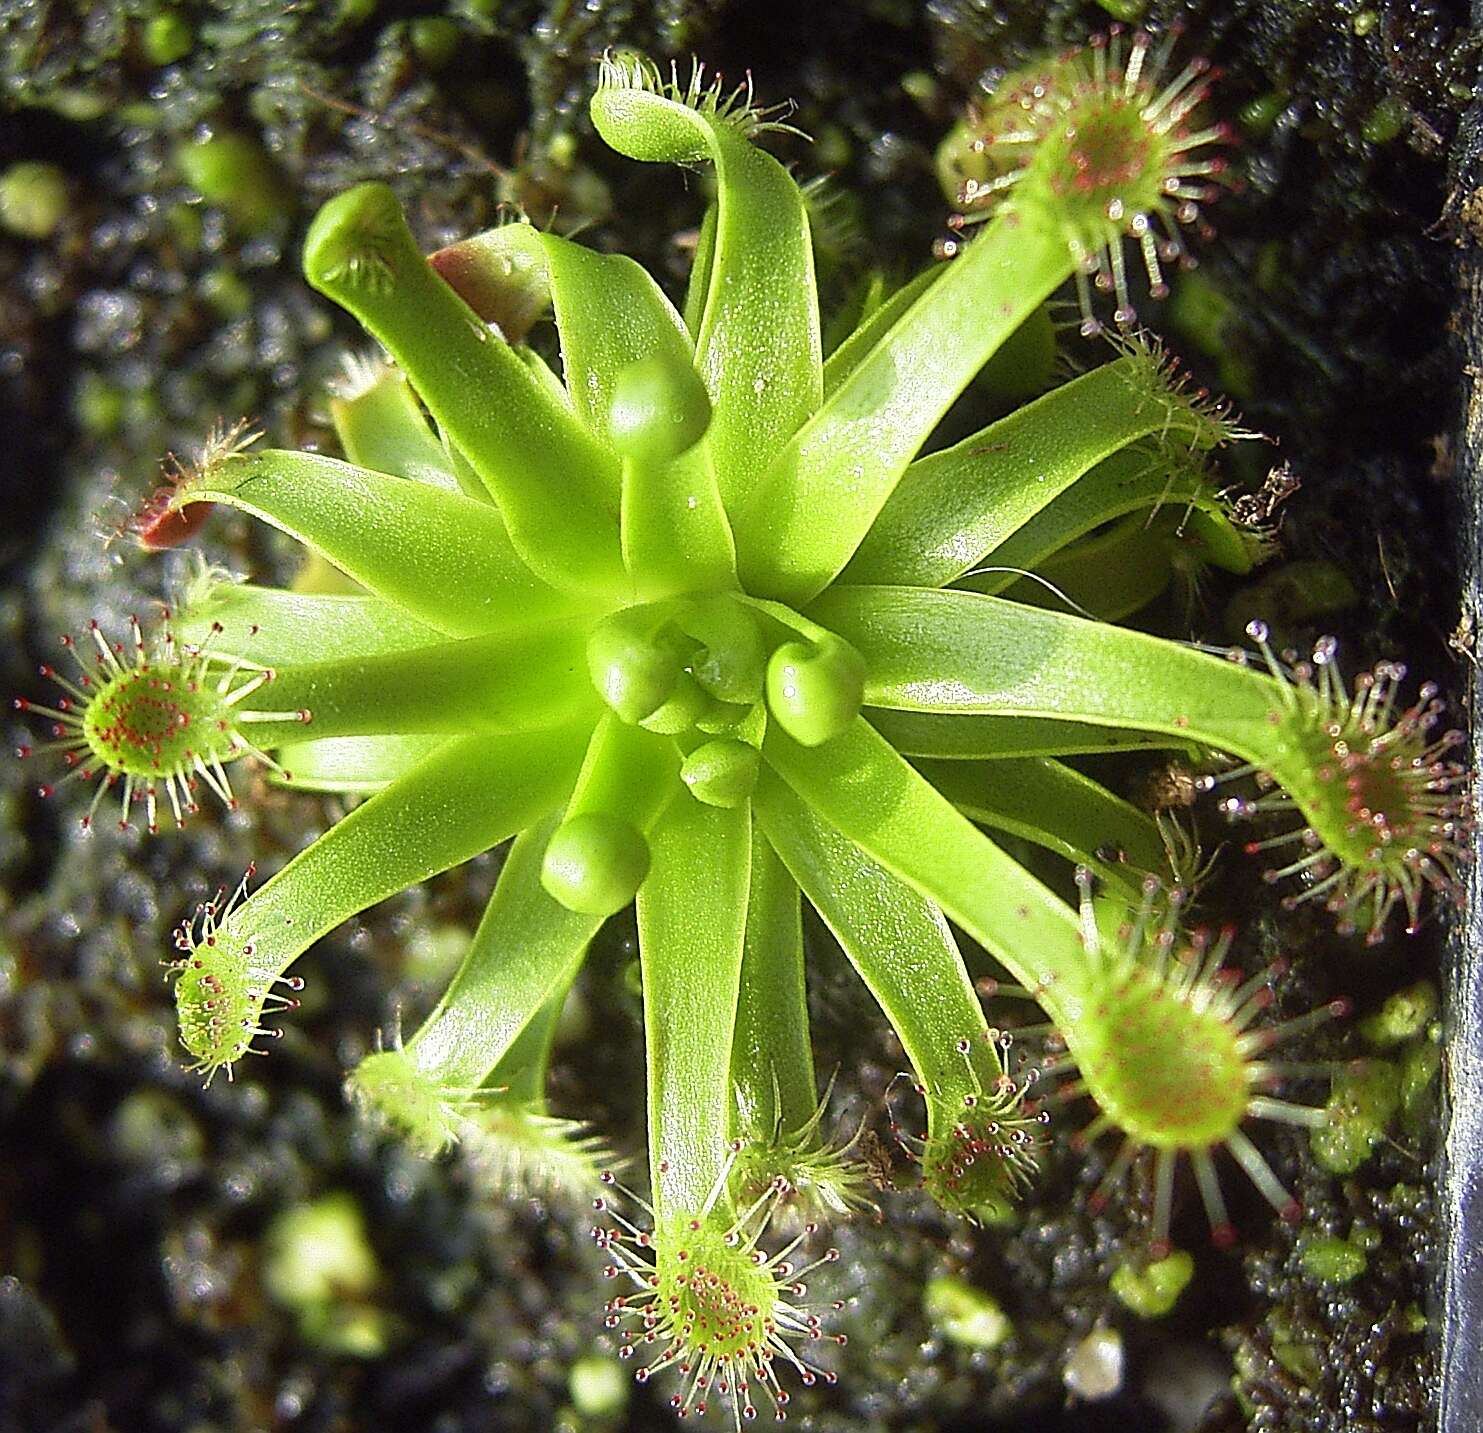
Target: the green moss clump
(1333, 1261)
(1365, 1098)
(33, 199)
(1151, 1290)
(965, 1315)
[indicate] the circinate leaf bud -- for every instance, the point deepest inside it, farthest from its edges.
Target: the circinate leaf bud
(595, 864)
(721, 773)
(659, 409)
(687, 704)
(815, 690)
(731, 665)
(634, 673)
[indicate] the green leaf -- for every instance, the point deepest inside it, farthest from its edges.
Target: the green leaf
(772, 1061)
(520, 1076)
(869, 794)
(524, 680)
(698, 290)
(381, 426)
(268, 627)
(353, 765)
(676, 535)
(896, 939)
(609, 313)
(422, 824)
(526, 947)
(555, 482)
(613, 321)
(954, 506)
(757, 344)
(442, 557)
(946, 651)
(989, 737)
(846, 357)
(809, 512)
(1143, 479)
(1045, 801)
(1109, 575)
(691, 920)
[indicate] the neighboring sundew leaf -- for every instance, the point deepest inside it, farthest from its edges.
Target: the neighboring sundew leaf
(353, 765)
(949, 651)
(470, 794)
(442, 557)
(952, 507)
(1147, 478)
(989, 737)
(1044, 801)
(381, 426)
(811, 509)
(555, 483)
(758, 342)
(527, 946)
(525, 680)
(691, 921)
(268, 626)
(860, 786)
(772, 1061)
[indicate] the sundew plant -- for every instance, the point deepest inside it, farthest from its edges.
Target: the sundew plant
(705, 623)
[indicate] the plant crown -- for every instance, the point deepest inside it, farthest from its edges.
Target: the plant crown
(704, 623)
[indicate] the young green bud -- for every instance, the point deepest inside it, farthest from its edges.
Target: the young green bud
(356, 238)
(733, 660)
(595, 864)
(633, 673)
(815, 691)
(659, 410)
(722, 772)
(687, 705)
